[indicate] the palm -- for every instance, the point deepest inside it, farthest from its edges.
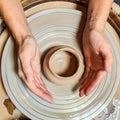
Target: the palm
(98, 60)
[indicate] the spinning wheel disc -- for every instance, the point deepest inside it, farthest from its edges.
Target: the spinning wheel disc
(55, 27)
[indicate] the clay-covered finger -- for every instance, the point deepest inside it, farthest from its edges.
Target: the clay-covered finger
(87, 69)
(21, 75)
(86, 83)
(39, 82)
(47, 97)
(97, 79)
(87, 79)
(35, 63)
(42, 93)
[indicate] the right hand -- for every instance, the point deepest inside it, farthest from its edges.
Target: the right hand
(98, 59)
(29, 68)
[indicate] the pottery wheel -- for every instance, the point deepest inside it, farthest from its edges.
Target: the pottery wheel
(55, 27)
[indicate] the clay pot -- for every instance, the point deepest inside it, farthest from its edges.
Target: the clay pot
(63, 65)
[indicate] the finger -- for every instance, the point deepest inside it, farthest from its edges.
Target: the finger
(87, 69)
(19, 64)
(86, 82)
(26, 68)
(47, 97)
(35, 83)
(21, 75)
(36, 62)
(20, 71)
(40, 92)
(87, 53)
(108, 58)
(81, 93)
(29, 83)
(36, 70)
(40, 84)
(36, 87)
(37, 79)
(87, 57)
(88, 79)
(97, 79)
(44, 94)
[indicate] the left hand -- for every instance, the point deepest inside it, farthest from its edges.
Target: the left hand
(98, 60)
(29, 68)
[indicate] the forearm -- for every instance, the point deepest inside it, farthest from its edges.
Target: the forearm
(98, 12)
(13, 14)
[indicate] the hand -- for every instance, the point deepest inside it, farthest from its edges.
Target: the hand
(98, 60)
(29, 68)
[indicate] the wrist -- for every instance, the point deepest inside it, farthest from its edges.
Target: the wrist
(20, 37)
(95, 22)
(87, 31)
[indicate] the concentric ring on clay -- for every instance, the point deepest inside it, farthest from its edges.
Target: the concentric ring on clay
(50, 28)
